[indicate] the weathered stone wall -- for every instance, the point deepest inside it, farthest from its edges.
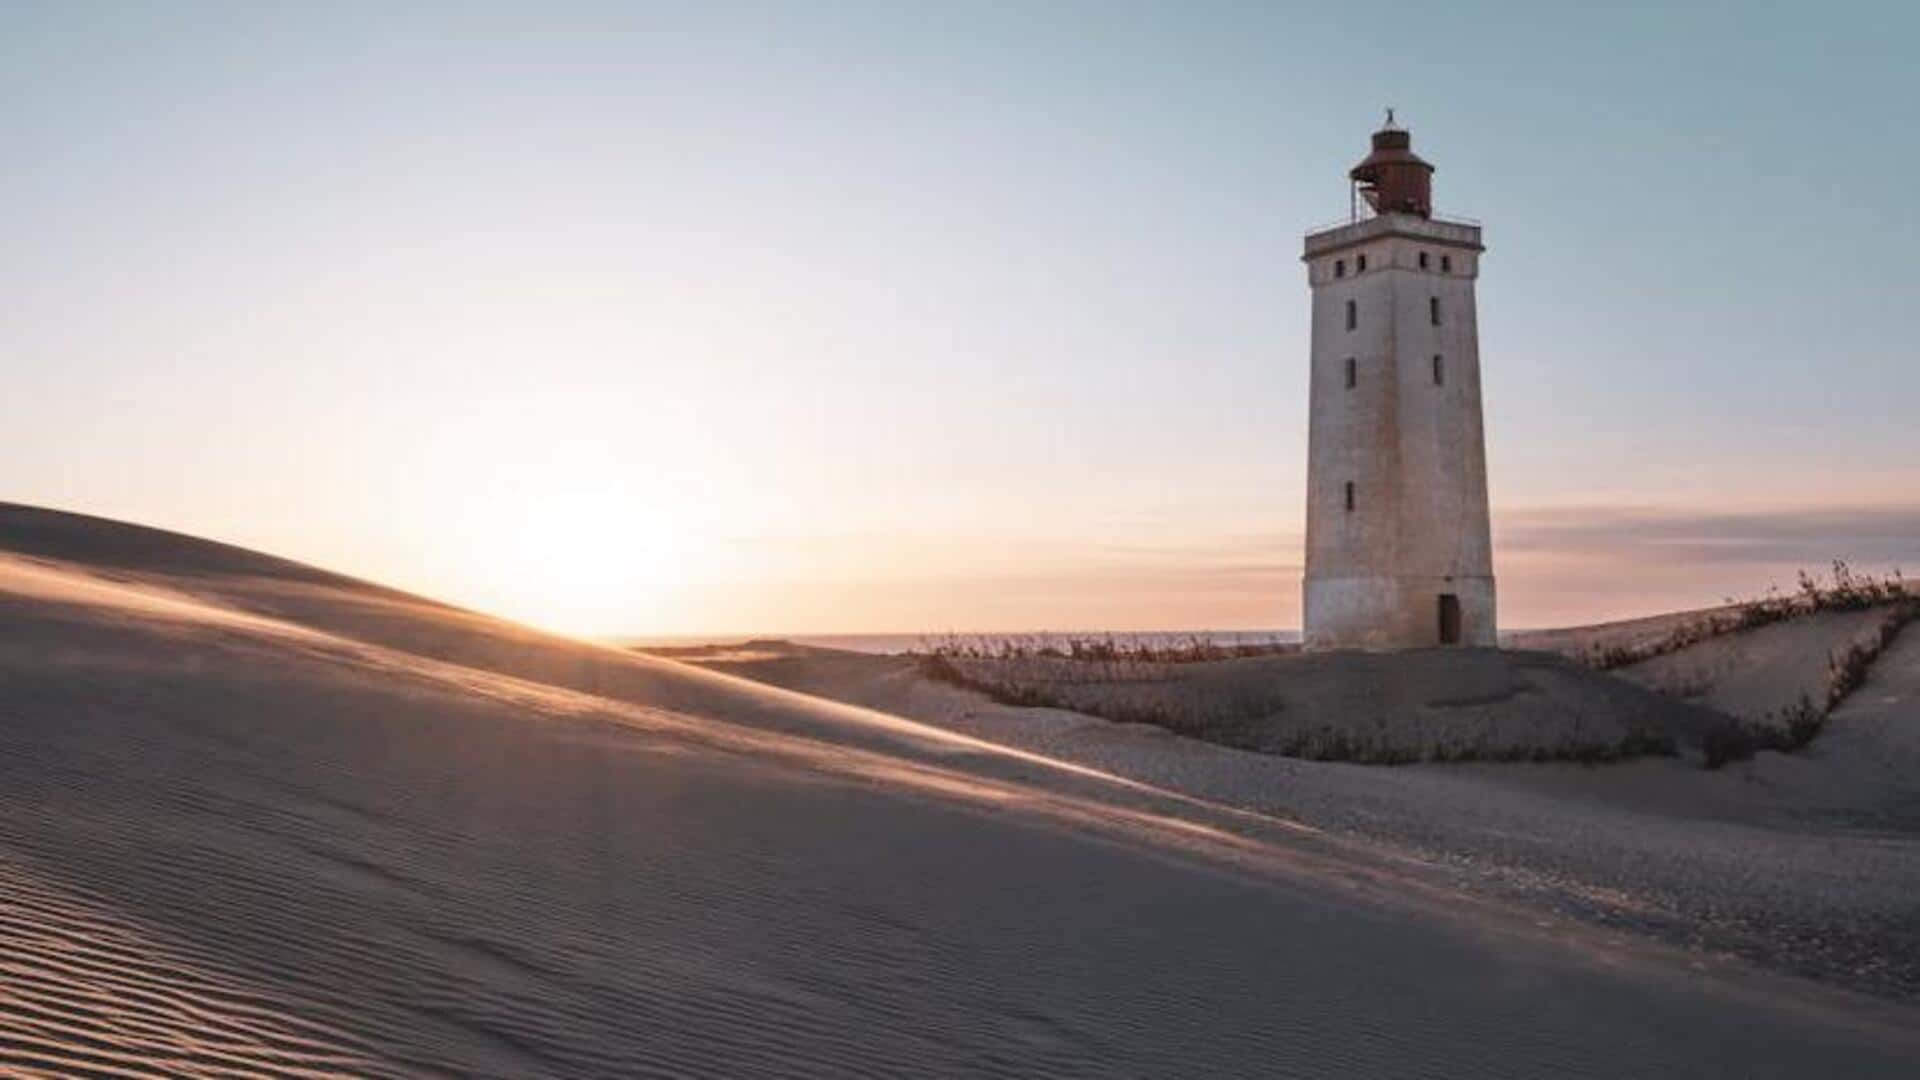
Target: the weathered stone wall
(1412, 447)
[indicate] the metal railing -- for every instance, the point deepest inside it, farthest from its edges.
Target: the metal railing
(1369, 215)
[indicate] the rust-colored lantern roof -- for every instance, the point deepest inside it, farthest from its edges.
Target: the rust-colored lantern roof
(1393, 178)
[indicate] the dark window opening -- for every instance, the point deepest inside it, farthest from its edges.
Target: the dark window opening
(1439, 371)
(1446, 264)
(1339, 268)
(1353, 314)
(1449, 619)
(1349, 495)
(1353, 373)
(1423, 260)
(1360, 264)
(1433, 310)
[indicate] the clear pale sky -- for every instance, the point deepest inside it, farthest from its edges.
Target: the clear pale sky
(821, 317)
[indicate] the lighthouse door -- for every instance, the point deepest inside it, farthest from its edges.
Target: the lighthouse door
(1449, 619)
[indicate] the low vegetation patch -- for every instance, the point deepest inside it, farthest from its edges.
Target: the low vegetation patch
(1117, 650)
(1232, 704)
(1848, 591)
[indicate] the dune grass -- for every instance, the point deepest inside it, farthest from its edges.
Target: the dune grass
(1847, 591)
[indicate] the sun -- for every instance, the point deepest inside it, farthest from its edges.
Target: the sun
(581, 561)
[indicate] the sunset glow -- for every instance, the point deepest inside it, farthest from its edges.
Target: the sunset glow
(576, 560)
(622, 330)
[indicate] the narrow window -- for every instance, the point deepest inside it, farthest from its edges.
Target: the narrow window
(1353, 372)
(1439, 371)
(1339, 268)
(1349, 495)
(1446, 264)
(1433, 310)
(1360, 264)
(1353, 315)
(1423, 260)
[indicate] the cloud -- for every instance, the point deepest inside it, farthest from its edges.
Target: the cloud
(1812, 536)
(1575, 565)
(1556, 567)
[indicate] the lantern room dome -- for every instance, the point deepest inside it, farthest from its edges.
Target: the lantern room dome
(1393, 179)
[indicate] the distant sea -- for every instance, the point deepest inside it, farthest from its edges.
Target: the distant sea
(885, 644)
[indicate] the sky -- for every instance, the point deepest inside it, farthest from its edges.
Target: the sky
(834, 317)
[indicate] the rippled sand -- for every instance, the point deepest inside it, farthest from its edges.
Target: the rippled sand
(257, 819)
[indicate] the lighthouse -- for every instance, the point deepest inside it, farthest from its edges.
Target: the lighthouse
(1399, 553)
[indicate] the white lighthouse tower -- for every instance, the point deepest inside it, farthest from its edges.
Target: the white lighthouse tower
(1399, 553)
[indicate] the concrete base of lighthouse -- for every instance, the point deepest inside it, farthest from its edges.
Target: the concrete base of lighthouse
(1398, 612)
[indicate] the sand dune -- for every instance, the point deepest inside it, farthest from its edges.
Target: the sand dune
(1760, 674)
(258, 819)
(1414, 705)
(1807, 862)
